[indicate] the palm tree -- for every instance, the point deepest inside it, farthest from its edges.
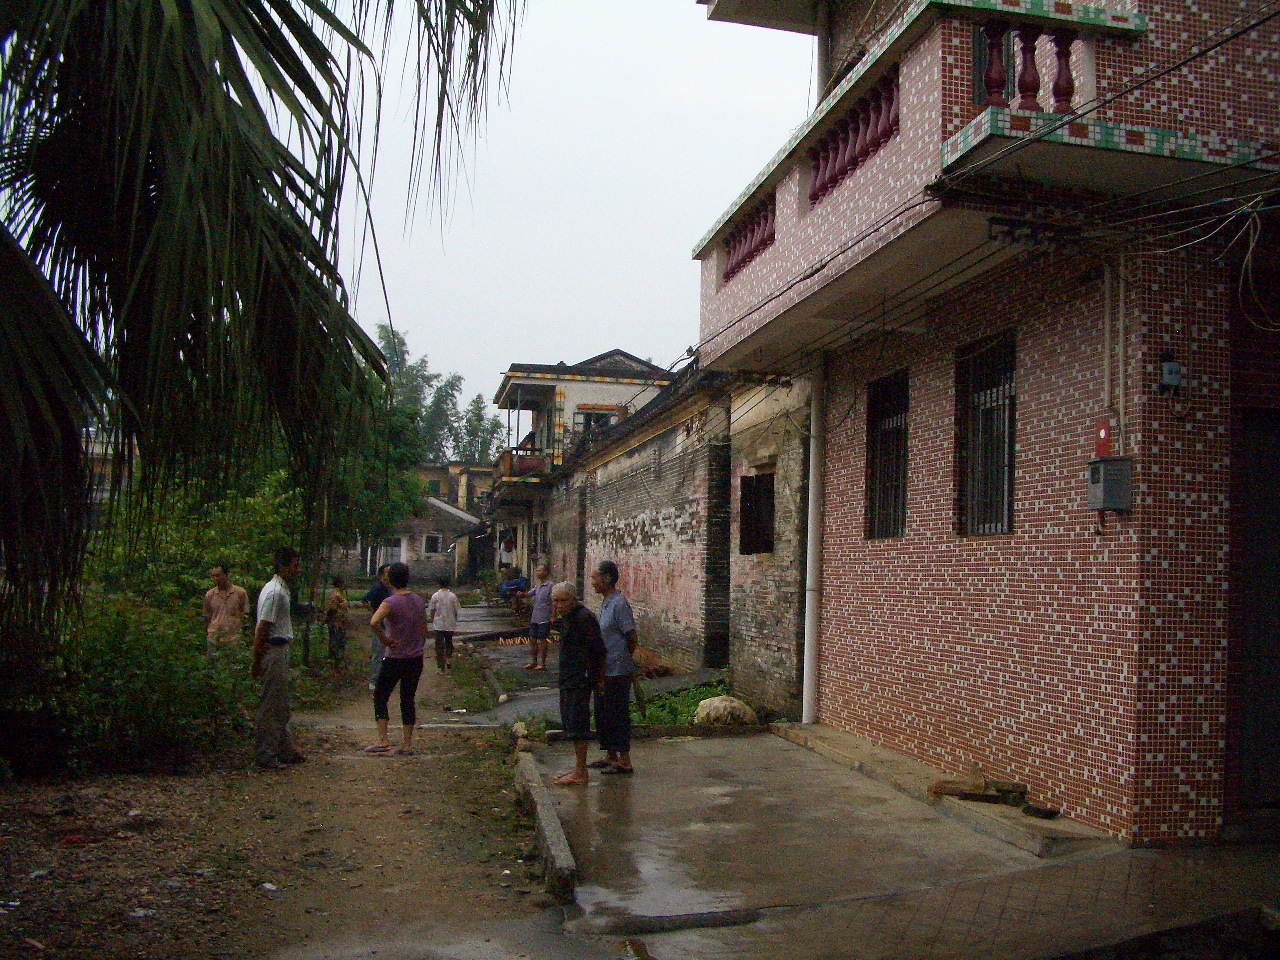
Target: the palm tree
(171, 178)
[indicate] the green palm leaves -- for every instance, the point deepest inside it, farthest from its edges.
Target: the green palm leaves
(171, 181)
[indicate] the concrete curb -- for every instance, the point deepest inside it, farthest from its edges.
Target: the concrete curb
(639, 924)
(654, 731)
(910, 777)
(560, 870)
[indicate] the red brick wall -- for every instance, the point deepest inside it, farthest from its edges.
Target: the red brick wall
(1088, 666)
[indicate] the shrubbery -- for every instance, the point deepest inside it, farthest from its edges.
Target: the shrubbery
(131, 687)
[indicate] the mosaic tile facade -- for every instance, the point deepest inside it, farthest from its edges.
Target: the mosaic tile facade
(1095, 667)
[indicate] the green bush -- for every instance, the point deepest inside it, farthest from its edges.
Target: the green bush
(677, 707)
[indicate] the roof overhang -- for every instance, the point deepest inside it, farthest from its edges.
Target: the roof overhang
(886, 292)
(794, 16)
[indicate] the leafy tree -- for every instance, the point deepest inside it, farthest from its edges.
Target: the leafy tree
(171, 178)
(480, 437)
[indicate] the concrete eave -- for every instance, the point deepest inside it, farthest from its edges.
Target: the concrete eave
(887, 292)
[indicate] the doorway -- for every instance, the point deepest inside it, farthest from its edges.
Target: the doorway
(1257, 649)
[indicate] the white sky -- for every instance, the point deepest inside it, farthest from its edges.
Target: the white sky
(629, 127)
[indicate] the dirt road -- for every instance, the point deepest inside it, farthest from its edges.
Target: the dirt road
(232, 862)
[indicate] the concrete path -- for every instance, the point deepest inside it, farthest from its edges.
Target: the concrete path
(757, 848)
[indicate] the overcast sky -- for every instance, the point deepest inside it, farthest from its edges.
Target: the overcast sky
(628, 128)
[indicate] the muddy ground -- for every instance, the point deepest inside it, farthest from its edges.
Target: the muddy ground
(229, 861)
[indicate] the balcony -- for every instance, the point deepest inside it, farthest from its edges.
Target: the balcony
(515, 463)
(856, 214)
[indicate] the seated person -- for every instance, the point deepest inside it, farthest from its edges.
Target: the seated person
(516, 584)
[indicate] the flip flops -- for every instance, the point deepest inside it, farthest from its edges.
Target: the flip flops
(402, 752)
(614, 771)
(599, 765)
(569, 779)
(376, 748)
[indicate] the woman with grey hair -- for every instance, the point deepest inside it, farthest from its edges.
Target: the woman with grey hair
(613, 704)
(582, 657)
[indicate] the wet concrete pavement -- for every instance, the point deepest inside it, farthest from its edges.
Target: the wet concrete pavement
(711, 825)
(756, 848)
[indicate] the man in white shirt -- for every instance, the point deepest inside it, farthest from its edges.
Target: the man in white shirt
(271, 664)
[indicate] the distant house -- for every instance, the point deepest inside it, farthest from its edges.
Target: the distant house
(443, 534)
(550, 408)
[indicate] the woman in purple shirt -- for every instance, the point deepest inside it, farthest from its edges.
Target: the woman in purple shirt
(404, 615)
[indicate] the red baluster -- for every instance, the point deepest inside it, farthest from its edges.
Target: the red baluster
(757, 232)
(897, 96)
(873, 120)
(995, 76)
(1064, 85)
(833, 160)
(886, 108)
(842, 150)
(821, 179)
(850, 158)
(813, 175)
(1028, 75)
(862, 151)
(771, 223)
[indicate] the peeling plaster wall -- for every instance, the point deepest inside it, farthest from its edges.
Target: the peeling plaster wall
(653, 510)
(766, 619)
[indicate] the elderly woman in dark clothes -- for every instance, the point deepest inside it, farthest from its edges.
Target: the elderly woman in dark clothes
(613, 705)
(581, 671)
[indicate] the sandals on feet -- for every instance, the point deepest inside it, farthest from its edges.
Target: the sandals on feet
(569, 779)
(403, 752)
(377, 748)
(613, 770)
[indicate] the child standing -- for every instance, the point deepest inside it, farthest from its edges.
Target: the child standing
(335, 616)
(443, 612)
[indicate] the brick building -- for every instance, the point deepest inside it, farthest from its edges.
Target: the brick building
(1001, 251)
(550, 408)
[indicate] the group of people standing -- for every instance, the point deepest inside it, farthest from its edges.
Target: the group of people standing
(596, 663)
(595, 666)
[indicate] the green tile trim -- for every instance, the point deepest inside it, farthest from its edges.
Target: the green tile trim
(1090, 132)
(894, 41)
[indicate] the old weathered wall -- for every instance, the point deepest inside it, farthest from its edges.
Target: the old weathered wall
(766, 618)
(566, 518)
(648, 511)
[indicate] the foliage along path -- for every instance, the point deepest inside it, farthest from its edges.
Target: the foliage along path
(228, 861)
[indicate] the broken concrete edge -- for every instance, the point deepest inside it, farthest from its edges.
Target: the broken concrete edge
(640, 924)
(654, 731)
(560, 870)
(912, 778)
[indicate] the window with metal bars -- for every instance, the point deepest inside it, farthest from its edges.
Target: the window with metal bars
(755, 514)
(887, 405)
(985, 435)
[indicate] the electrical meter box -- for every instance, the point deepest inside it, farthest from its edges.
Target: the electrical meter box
(1111, 483)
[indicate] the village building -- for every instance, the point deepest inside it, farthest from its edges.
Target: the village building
(444, 534)
(1042, 389)
(550, 408)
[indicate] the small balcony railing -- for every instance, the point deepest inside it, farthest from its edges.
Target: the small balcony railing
(753, 234)
(520, 462)
(856, 136)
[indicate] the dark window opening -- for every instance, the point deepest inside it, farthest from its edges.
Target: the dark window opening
(985, 428)
(887, 406)
(755, 527)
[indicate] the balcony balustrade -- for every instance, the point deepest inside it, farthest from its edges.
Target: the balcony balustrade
(996, 75)
(521, 462)
(856, 136)
(754, 233)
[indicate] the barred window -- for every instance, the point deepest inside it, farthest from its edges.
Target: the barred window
(887, 404)
(985, 428)
(755, 514)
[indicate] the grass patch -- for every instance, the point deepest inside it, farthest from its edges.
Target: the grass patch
(470, 692)
(678, 707)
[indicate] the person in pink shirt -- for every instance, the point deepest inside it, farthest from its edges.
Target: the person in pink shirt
(403, 616)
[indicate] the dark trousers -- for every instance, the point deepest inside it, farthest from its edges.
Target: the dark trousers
(613, 715)
(406, 672)
(444, 647)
